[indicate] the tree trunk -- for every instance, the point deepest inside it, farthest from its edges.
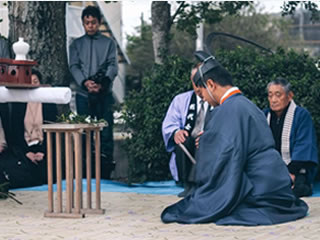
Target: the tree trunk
(42, 25)
(160, 16)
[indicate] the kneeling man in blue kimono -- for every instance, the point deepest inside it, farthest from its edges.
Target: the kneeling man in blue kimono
(294, 136)
(240, 176)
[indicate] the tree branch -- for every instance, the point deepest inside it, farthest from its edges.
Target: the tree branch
(177, 12)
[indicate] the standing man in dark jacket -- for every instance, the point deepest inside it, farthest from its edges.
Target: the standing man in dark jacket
(93, 65)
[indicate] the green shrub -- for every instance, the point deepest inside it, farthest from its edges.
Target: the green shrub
(251, 70)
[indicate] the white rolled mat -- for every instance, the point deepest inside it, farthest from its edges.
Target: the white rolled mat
(58, 95)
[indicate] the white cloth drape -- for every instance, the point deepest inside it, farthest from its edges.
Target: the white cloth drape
(58, 95)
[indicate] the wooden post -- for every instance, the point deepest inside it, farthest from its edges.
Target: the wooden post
(72, 170)
(98, 169)
(78, 159)
(50, 180)
(59, 172)
(88, 162)
(69, 178)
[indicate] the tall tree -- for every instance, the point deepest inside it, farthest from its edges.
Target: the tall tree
(289, 8)
(140, 51)
(160, 16)
(42, 25)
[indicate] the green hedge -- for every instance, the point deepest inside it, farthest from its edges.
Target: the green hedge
(251, 70)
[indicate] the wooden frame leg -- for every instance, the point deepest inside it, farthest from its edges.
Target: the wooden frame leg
(69, 177)
(78, 172)
(50, 172)
(88, 168)
(59, 172)
(98, 169)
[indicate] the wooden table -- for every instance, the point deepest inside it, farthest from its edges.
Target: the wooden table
(73, 161)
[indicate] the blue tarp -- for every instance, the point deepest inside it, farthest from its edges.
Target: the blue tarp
(162, 187)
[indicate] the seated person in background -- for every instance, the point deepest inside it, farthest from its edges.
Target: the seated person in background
(294, 136)
(36, 114)
(182, 123)
(240, 177)
(22, 161)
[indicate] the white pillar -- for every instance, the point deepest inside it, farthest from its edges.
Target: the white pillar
(199, 41)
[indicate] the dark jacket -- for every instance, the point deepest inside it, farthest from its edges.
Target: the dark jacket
(90, 54)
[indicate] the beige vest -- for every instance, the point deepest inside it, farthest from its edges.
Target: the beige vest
(32, 123)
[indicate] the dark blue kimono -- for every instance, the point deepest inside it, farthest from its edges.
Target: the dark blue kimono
(241, 178)
(298, 138)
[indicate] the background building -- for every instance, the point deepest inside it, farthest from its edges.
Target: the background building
(305, 33)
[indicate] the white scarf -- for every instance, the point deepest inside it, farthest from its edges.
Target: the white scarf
(32, 123)
(286, 130)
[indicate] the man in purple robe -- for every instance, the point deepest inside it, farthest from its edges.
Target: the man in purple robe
(181, 125)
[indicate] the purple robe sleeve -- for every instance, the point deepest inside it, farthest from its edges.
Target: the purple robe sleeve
(175, 118)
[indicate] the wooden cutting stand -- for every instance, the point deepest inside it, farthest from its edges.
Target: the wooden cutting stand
(73, 159)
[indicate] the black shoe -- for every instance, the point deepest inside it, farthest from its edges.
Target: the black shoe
(183, 193)
(107, 165)
(302, 190)
(106, 170)
(301, 187)
(188, 190)
(179, 183)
